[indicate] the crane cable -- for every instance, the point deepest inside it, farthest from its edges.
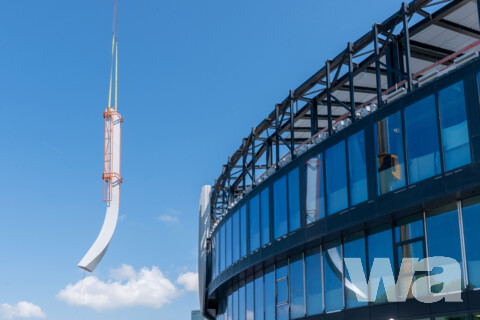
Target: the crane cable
(114, 55)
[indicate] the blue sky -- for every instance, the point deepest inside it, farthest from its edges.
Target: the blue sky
(194, 77)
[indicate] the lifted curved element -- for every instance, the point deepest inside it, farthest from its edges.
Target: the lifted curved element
(112, 181)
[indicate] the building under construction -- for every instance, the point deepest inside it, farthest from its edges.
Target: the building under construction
(376, 155)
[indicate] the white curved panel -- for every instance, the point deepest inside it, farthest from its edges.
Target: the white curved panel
(99, 247)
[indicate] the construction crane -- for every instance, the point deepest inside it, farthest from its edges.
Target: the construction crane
(111, 163)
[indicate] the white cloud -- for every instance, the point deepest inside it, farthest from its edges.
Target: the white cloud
(22, 309)
(189, 281)
(170, 215)
(147, 287)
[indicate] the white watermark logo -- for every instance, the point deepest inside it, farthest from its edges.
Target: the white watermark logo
(416, 279)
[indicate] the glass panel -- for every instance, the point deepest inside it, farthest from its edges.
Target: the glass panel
(456, 317)
(453, 119)
(297, 293)
(222, 248)
(409, 228)
(282, 312)
(333, 274)
(217, 252)
(313, 273)
(315, 202)
(293, 200)
(265, 212)
(269, 294)
(243, 231)
(280, 207)
(354, 247)
(281, 276)
(336, 178)
(229, 307)
(412, 250)
(423, 150)
(236, 236)
(250, 301)
(471, 226)
(389, 150)
(357, 168)
(228, 232)
(259, 298)
(235, 305)
(241, 302)
(380, 246)
(255, 223)
(441, 222)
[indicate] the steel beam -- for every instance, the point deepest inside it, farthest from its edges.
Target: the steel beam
(377, 65)
(406, 39)
(292, 126)
(329, 97)
(314, 117)
(350, 80)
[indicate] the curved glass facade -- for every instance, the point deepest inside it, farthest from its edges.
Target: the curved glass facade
(399, 184)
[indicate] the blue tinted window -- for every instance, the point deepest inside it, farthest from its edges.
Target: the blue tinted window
(255, 222)
(236, 236)
(315, 201)
(269, 294)
(293, 200)
(423, 151)
(265, 212)
(222, 248)
(230, 307)
(453, 116)
(471, 227)
(380, 245)
(259, 298)
(250, 301)
(243, 230)
(333, 274)
(280, 207)
(354, 247)
(228, 233)
(282, 311)
(241, 302)
(282, 291)
(389, 151)
(409, 228)
(336, 178)
(357, 168)
(235, 305)
(297, 296)
(313, 281)
(281, 276)
(217, 252)
(441, 222)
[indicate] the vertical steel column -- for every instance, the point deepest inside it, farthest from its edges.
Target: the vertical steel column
(254, 156)
(268, 156)
(277, 134)
(350, 80)
(377, 66)
(314, 116)
(292, 127)
(406, 38)
(229, 170)
(244, 164)
(329, 98)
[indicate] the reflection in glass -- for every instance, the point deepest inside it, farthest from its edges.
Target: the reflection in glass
(230, 307)
(333, 274)
(336, 178)
(241, 301)
(228, 232)
(280, 207)
(315, 202)
(313, 281)
(243, 230)
(222, 248)
(380, 246)
(236, 236)
(389, 150)
(235, 305)
(441, 222)
(217, 252)
(453, 119)
(258, 298)
(409, 228)
(255, 222)
(354, 247)
(357, 168)
(281, 276)
(293, 200)
(249, 301)
(423, 150)
(264, 213)
(269, 293)
(297, 296)
(471, 227)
